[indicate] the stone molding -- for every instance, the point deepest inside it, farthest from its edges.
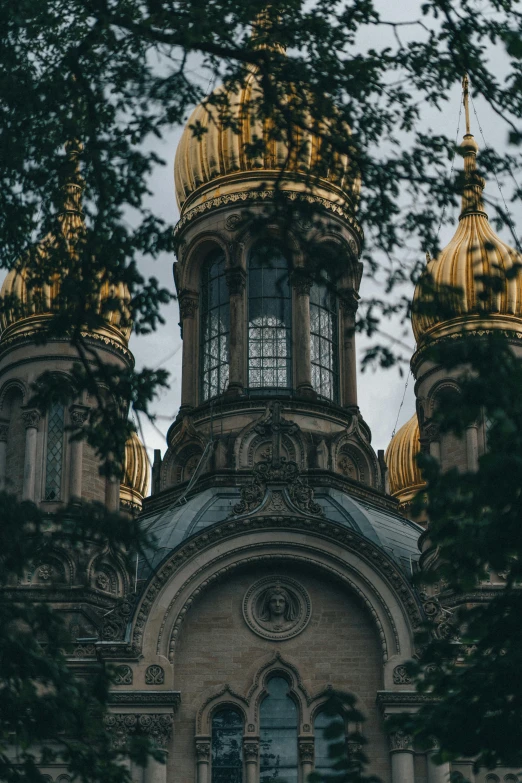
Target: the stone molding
(268, 195)
(146, 698)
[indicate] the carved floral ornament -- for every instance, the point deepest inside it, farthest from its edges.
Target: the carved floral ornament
(277, 608)
(122, 726)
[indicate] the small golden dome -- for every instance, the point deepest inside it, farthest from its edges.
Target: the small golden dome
(474, 251)
(223, 159)
(135, 483)
(32, 305)
(403, 472)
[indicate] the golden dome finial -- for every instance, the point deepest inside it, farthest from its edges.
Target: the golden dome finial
(473, 255)
(401, 458)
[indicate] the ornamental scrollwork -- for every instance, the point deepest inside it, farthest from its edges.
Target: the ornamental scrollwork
(401, 676)
(202, 751)
(154, 675)
(250, 750)
(306, 751)
(123, 675)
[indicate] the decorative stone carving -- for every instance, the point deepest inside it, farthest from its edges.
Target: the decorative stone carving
(188, 304)
(399, 740)
(45, 572)
(301, 283)
(157, 726)
(250, 750)
(306, 751)
(236, 280)
(233, 221)
(78, 414)
(154, 675)
(31, 418)
(285, 473)
(121, 726)
(400, 676)
(277, 608)
(103, 581)
(123, 675)
(202, 751)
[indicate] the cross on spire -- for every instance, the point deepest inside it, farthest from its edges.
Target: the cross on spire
(465, 101)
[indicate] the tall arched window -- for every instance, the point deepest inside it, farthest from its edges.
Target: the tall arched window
(324, 348)
(325, 745)
(54, 455)
(215, 326)
(227, 738)
(269, 319)
(278, 734)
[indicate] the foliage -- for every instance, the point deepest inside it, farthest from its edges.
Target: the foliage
(48, 711)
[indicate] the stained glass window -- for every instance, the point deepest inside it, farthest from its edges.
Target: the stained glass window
(329, 750)
(278, 734)
(324, 347)
(54, 457)
(227, 738)
(215, 326)
(269, 319)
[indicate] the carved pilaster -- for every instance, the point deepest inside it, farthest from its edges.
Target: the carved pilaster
(236, 280)
(188, 304)
(400, 741)
(306, 751)
(31, 417)
(251, 751)
(78, 415)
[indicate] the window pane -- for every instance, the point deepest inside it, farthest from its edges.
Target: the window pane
(323, 746)
(324, 347)
(227, 738)
(269, 319)
(54, 456)
(278, 734)
(215, 327)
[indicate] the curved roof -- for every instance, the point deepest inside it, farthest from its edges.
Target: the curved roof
(173, 526)
(401, 458)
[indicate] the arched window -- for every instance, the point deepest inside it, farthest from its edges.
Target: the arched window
(215, 326)
(278, 734)
(227, 738)
(269, 319)
(54, 453)
(324, 348)
(328, 750)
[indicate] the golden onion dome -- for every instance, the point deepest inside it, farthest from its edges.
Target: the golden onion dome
(223, 160)
(28, 305)
(135, 483)
(474, 254)
(403, 472)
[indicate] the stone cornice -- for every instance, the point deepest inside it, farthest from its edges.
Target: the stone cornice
(403, 699)
(512, 336)
(147, 698)
(111, 344)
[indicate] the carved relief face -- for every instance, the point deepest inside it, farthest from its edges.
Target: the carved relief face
(277, 605)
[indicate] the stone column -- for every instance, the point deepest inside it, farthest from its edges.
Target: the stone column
(347, 344)
(236, 281)
(188, 307)
(401, 753)
(251, 756)
(306, 757)
(31, 419)
(4, 429)
(301, 285)
(472, 448)
(437, 773)
(78, 415)
(203, 759)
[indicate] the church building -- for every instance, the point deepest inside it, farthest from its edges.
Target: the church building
(284, 544)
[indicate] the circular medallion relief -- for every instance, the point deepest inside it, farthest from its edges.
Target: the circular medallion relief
(277, 608)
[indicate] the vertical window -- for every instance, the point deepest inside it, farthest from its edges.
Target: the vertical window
(54, 456)
(215, 326)
(329, 750)
(324, 347)
(227, 736)
(278, 734)
(269, 319)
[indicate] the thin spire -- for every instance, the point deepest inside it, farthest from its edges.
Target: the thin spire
(465, 101)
